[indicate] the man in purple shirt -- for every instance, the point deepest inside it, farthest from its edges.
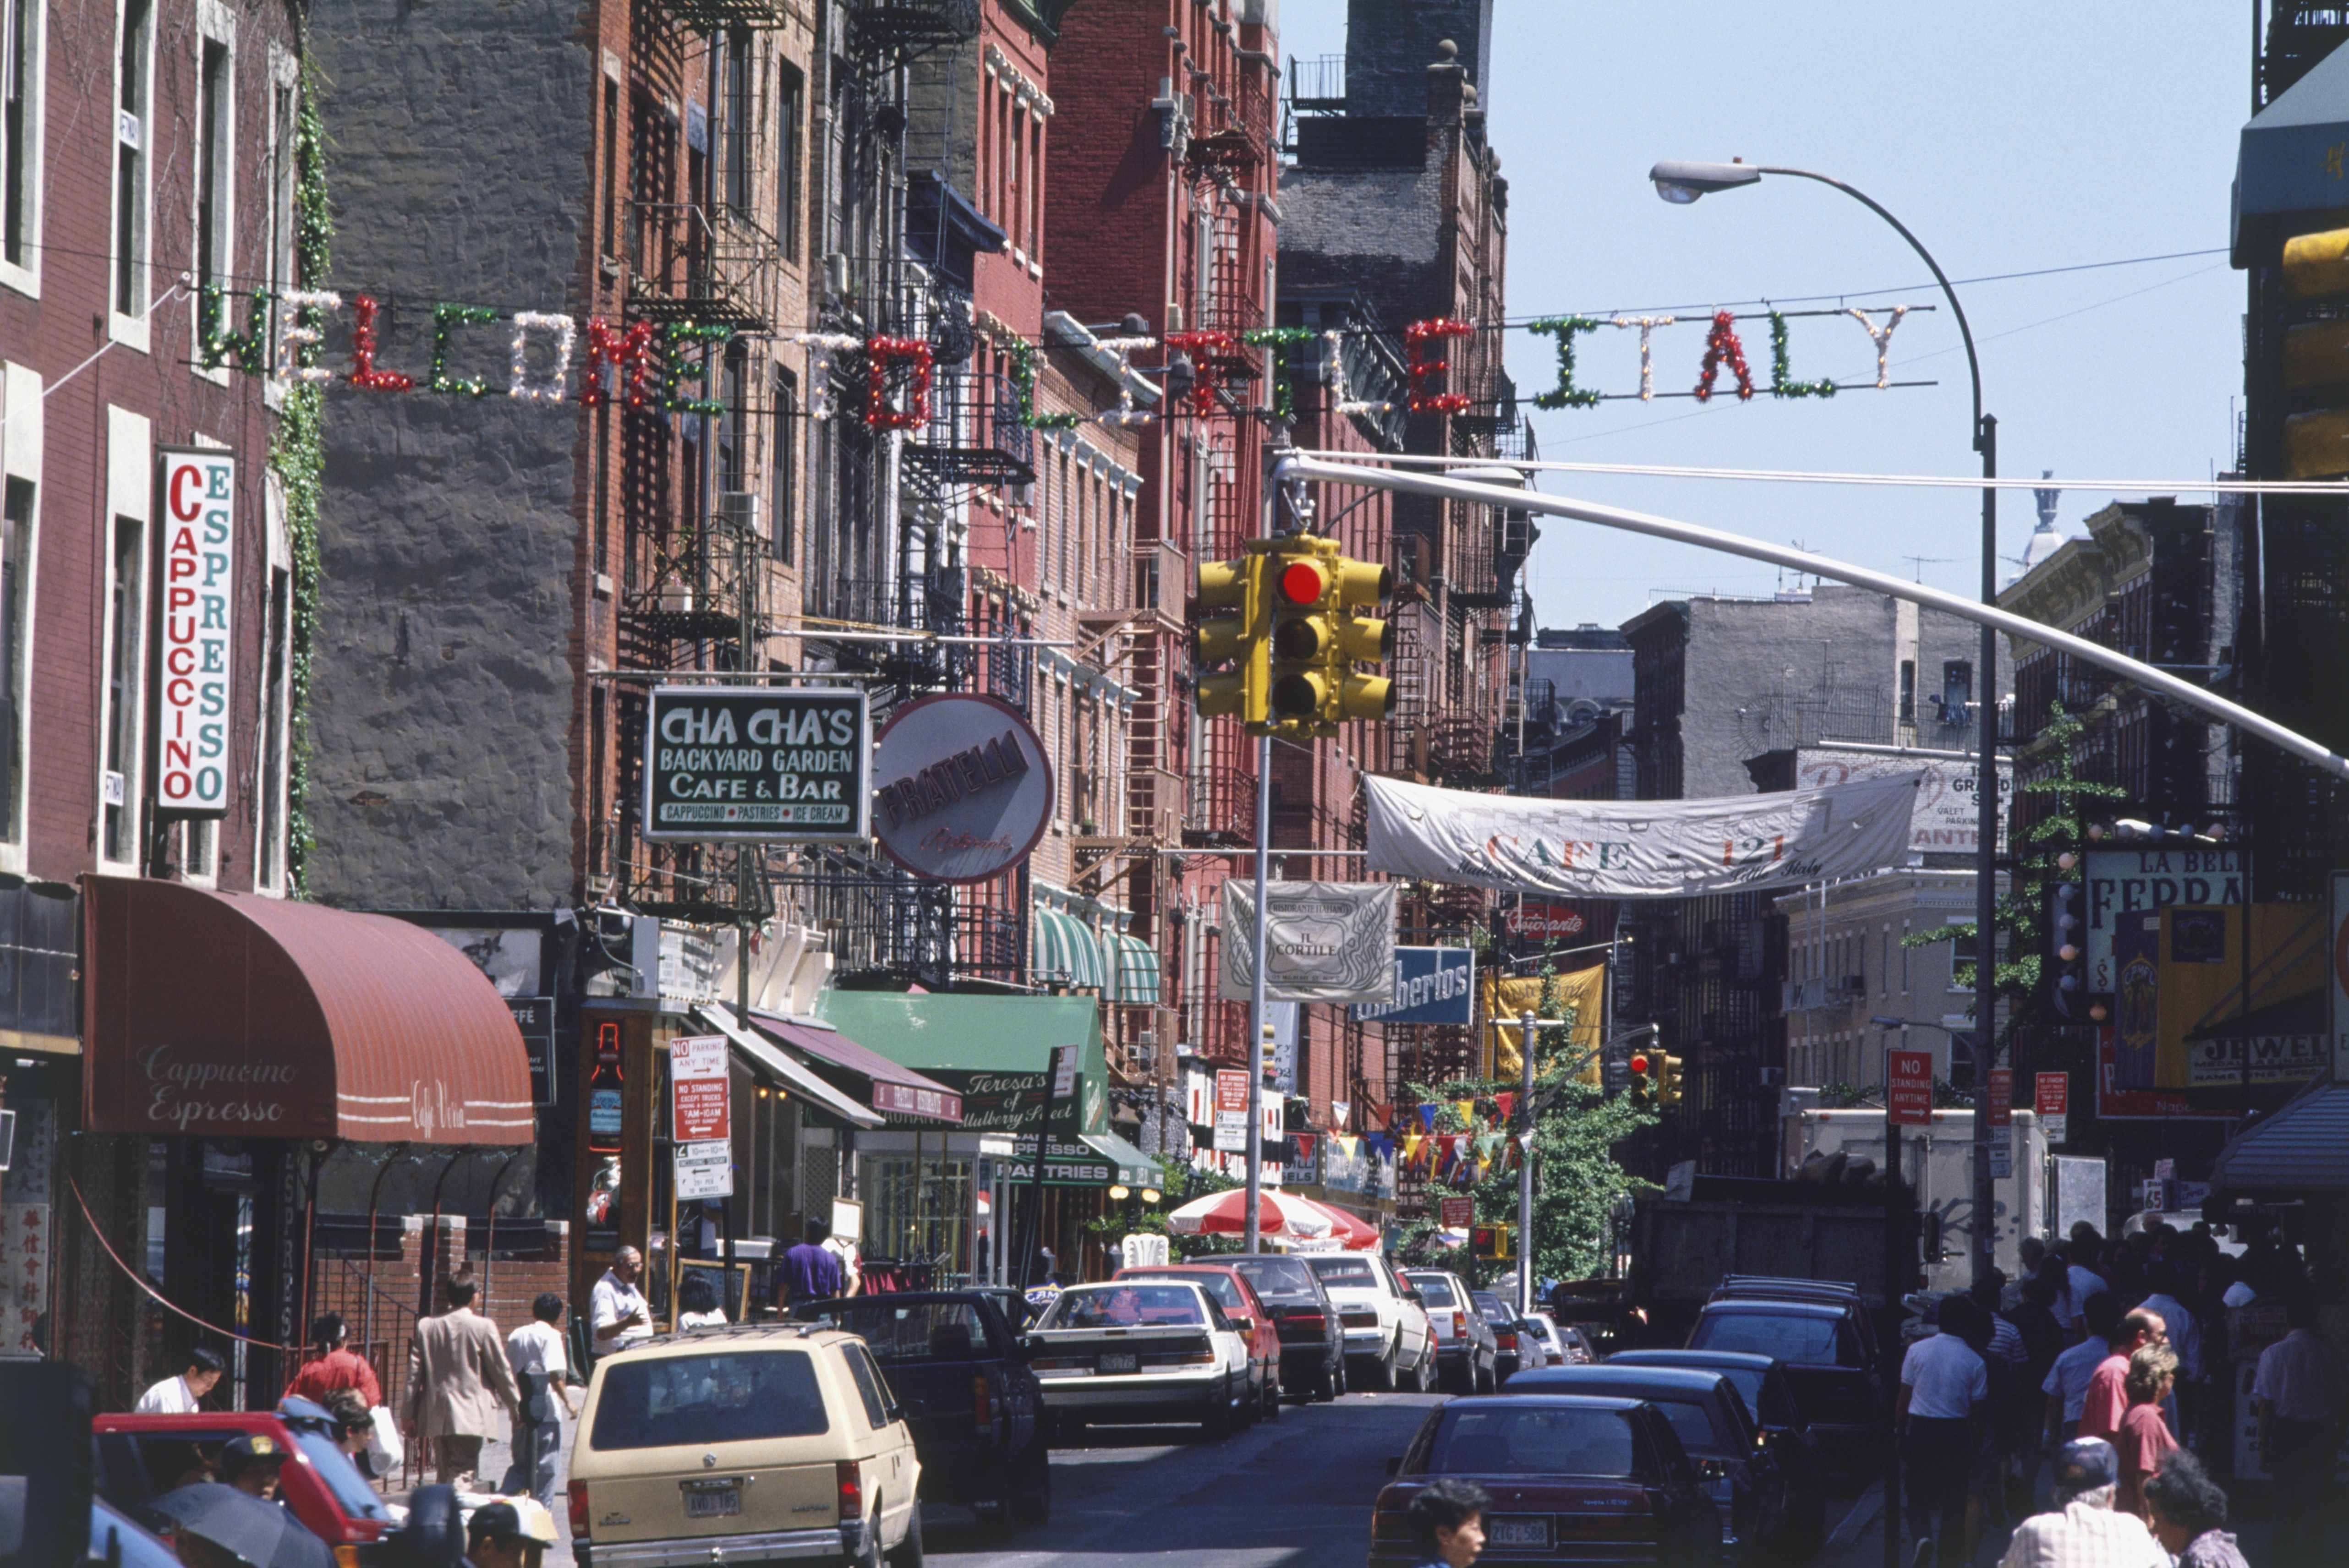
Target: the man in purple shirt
(811, 1270)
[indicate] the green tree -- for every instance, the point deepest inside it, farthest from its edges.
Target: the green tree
(1576, 1182)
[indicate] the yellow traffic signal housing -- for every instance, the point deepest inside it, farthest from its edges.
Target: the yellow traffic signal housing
(1311, 593)
(1668, 1080)
(1231, 629)
(1643, 1085)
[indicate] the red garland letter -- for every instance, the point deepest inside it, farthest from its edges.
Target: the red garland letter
(880, 353)
(1417, 337)
(1200, 345)
(363, 370)
(630, 356)
(1720, 344)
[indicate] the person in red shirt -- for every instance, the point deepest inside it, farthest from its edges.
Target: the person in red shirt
(335, 1368)
(2145, 1443)
(2107, 1399)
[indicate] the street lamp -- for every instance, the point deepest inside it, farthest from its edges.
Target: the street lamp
(1682, 183)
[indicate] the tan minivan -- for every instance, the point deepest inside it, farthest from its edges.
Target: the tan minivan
(737, 1444)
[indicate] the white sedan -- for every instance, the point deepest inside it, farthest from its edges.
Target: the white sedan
(1141, 1350)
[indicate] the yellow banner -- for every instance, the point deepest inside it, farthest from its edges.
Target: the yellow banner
(2200, 973)
(1580, 996)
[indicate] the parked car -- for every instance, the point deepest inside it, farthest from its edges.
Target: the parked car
(1148, 1350)
(1573, 1480)
(1769, 1396)
(760, 1441)
(1507, 1357)
(1577, 1343)
(975, 1407)
(142, 1456)
(1467, 1357)
(1253, 1323)
(1543, 1328)
(1312, 1339)
(1741, 1473)
(119, 1541)
(1388, 1336)
(1828, 1350)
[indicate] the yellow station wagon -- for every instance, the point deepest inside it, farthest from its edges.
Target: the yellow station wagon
(759, 1443)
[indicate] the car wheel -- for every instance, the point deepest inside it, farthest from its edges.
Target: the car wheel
(1217, 1421)
(1339, 1376)
(1426, 1378)
(1251, 1403)
(1272, 1393)
(1326, 1383)
(1483, 1380)
(869, 1556)
(1033, 1506)
(908, 1552)
(1382, 1372)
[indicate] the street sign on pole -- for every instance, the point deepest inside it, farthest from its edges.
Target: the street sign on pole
(1456, 1213)
(1231, 1112)
(2002, 1124)
(700, 1090)
(2050, 1094)
(705, 1170)
(1908, 1088)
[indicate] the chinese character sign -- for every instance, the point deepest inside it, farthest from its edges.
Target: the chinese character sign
(197, 587)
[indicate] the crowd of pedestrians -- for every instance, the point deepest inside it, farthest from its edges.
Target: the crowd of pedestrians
(2103, 1363)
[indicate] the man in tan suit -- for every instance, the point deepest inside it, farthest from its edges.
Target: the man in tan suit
(456, 1363)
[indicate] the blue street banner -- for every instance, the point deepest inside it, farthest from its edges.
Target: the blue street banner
(1431, 986)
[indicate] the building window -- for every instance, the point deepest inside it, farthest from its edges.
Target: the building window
(133, 99)
(126, 623)
(733, 427)
(284, 149)
(15, 575)
(1961, 951)
(1957, 689)
(787, 464)
(737, 148)
(600, 487)
(198, 839)
(611, 167)
(269, 867)
(215, 163)
(791, 97)
(22, 66)
(1908, 691)
(594, 789)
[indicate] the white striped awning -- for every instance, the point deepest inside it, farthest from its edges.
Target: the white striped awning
(1137, 972)
(1068, 952)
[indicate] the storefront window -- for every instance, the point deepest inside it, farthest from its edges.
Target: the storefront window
(917, 1214)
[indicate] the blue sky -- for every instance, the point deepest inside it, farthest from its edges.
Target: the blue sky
(2009, 137)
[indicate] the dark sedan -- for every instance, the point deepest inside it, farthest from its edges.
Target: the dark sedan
(1573, 1481)
(1741, 1474)
(1827, 1349)
(1769, 1398)
(1506, 1360)
(1312, 1339)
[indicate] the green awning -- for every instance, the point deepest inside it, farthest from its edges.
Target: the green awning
(1137, 973)
(995, 1051)
(1068, 952)
(1134, 1168)
(1095, 1160)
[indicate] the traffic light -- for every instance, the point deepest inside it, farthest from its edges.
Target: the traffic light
(1490, 1241)
(1313, 593)
(1231, 629)
(1646, 1070)
(1668, 1079)
(2066, 963)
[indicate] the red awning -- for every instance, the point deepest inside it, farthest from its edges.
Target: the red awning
(234, 1016)
(896, 1090)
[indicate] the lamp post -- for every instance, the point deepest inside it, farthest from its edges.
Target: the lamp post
(1682, 183)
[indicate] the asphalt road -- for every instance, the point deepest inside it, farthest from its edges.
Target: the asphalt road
(1294, 1492)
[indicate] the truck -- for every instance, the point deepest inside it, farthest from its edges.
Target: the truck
(1938, 1161)
(1687, 1238)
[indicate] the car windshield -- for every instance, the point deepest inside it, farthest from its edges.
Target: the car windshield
(1120, 1306)
(1694, 1421)
(352, 1493)
(916, 1331)
(1277, 1279)
(1354, 1273)
(736, 1395)
(1435, 1288)
(1533, 1442)
(1490, 1306)
(1221, 1286)
(1799, 1340)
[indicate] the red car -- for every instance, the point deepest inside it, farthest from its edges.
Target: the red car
(1249, 1315)
(141, 1456)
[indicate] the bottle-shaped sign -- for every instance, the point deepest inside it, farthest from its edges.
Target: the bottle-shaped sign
(604, 1107)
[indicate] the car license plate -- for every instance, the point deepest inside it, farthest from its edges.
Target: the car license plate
(1519, 1531)
(1127, 1362)
(713, 1503)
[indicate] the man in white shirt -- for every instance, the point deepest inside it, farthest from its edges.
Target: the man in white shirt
(540, 1367)
(1944, 1392)
(618, 1313)
(2299, 1395)
(2066, 1386)
(2083, 1532)
(182, 1393)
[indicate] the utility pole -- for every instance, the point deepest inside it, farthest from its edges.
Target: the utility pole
(1525, 1162)
(1257, 1024)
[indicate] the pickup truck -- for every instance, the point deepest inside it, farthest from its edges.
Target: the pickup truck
(975, 1409)
(142, 1456)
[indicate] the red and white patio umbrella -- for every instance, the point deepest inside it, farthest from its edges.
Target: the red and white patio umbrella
(1226, 1214)
(1348, 1231)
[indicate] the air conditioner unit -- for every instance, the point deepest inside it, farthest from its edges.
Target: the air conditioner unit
(739, 510)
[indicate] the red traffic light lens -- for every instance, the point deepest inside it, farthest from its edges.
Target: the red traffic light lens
(1302, 582)
(1638, 1067)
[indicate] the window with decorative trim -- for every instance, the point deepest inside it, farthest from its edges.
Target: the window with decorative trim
(134, 101)
(24, 77)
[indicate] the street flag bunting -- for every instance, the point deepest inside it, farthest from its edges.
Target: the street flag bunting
(1643, 849)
